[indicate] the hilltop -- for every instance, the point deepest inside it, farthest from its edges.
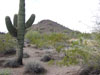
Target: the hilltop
(48, 26)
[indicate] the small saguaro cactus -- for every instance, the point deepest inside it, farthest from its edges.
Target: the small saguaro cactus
(17, 29)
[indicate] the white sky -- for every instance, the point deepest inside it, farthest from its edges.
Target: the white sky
(74, 14)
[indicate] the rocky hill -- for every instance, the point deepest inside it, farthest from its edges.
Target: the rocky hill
(48, 26)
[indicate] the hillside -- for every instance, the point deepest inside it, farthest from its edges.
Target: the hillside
(48, 26)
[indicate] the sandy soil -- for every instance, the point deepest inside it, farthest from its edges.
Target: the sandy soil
(35, 55)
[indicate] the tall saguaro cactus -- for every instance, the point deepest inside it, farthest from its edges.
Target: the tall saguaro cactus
(17, 29)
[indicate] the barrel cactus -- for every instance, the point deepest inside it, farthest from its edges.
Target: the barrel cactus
(18, 28)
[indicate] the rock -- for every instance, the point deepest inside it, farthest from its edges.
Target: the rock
(46, 58)
(25, 55)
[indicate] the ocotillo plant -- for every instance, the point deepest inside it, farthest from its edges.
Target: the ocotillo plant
(17, 29)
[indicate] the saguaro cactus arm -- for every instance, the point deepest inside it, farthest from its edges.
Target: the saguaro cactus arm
(10, 27)
(15, 20)
(30, 21)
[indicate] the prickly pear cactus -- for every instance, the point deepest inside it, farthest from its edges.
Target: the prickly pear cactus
(18, 28)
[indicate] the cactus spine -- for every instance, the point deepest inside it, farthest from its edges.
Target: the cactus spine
(17, 29)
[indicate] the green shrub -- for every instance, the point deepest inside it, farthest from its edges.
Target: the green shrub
(7, 43)
(57, 40)
(45, 40)
(75, 43)
(51, 62)
(92, 67)
(57, 37)
(59, 48)
(39, 43)
(35, 38)
(5, 72)
(32, 36)
(74, 56)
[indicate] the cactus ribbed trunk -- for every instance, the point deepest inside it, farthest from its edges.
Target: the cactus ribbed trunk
(21, 30)
(17, 29)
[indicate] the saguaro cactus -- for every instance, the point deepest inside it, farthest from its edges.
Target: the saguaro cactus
(17, 29)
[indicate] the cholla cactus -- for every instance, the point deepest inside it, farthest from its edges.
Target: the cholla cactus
(17, 29)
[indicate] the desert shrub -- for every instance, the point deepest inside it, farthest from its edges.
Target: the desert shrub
(32, 36)
(51, 62)
(34, 68)
(39, 43)
(35, 38)
(7, 44)
(45, 40)
(57, 40)
(11, 63)
(5, 72)
(84, 35)
(97, 38)
(75, 56)
(7, 52)
(59, 47)
(89, 70)
(75, 43)
(57, 37)
(92, 67)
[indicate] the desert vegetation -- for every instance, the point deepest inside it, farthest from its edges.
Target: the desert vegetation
(8, 44)
(46, 48)
(63, 50)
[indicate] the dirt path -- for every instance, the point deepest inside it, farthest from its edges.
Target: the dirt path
(35, 55)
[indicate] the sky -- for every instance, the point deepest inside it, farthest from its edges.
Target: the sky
(74, 14)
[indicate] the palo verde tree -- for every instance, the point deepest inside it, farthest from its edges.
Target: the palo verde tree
(18, 29)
